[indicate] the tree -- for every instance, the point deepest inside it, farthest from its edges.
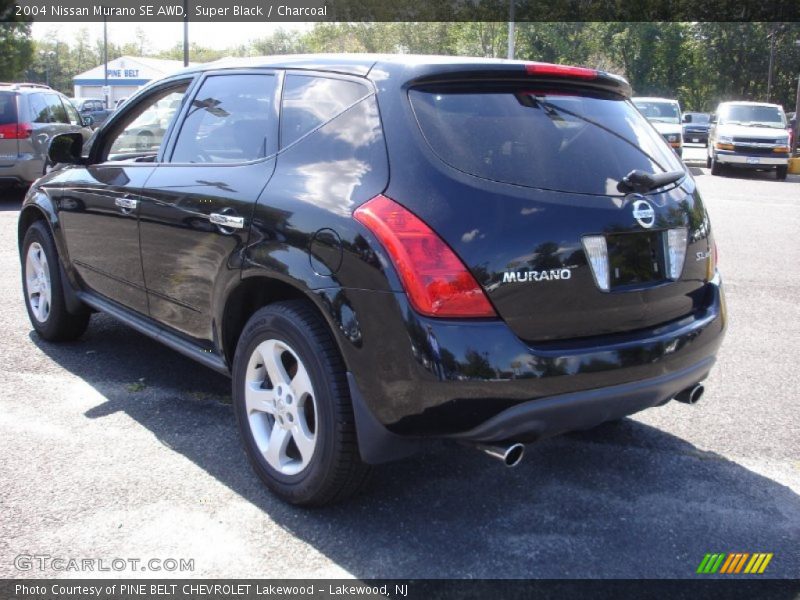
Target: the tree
(16, 47)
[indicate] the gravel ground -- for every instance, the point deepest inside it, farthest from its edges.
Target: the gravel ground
(116, 447)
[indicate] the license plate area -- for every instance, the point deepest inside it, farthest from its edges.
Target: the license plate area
(753, 161)
(635, 259)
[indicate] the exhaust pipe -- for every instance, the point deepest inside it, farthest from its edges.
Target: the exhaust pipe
(510, 455)
(691, 395)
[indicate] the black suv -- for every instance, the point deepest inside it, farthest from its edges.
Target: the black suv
(384, 250)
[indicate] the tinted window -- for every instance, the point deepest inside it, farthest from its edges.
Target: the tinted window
(57, 112)
(228, 121)
(146, 124)
(8, 108)
(544, 139)
(308, 102)
(40, 112)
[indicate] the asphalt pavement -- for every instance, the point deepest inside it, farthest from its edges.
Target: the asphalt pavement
(117, 447)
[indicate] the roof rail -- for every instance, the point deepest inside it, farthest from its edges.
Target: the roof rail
(17, 86)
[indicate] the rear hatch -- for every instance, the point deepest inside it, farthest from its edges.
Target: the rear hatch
(9, 142)
(525, 187)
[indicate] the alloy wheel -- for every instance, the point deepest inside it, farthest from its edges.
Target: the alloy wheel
(37, 281)
(281, 407)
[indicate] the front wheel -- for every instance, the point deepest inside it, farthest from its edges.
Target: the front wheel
(41, 283)
(781, 173)
(716, 168)
(293, 407)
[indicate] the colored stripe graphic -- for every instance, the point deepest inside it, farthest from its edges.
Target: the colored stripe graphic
(733, 563)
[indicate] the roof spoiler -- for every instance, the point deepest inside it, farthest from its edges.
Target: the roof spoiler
(545, 72)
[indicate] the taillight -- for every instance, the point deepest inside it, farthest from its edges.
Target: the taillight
(15, 131)
(560, 71)
(436, 281)
(713, 261)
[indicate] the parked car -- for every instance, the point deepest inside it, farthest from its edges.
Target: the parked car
(749, 135)
(695, 127)
(119, 103)
(95, 109)
(493, 290)
(30, 115)
(665, 115)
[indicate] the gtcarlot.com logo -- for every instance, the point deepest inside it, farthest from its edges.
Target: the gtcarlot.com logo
(734, 563)
(45, 562)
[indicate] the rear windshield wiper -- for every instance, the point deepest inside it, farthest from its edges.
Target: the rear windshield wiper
(642, 182)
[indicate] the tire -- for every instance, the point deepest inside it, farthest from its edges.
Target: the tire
(41, 285)
(716, 168)
(708, 161)
(781, 173)
(279, 410)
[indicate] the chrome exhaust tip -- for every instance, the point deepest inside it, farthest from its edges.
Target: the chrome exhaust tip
(510, 455)
(691, 395)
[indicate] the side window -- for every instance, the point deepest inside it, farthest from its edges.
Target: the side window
(310, 101)
(229, 120)
(57, 112)
(143, 127)
(40, 113)
(74, 116)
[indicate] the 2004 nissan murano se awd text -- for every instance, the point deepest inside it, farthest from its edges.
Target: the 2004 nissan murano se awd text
(382, 250)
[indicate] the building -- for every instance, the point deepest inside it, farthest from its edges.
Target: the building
(126, 74)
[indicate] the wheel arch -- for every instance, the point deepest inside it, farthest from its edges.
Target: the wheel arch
(257, 291)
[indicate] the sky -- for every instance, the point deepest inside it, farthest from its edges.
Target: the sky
(165, 35)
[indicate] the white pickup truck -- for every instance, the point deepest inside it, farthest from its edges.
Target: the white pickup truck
(748, 135)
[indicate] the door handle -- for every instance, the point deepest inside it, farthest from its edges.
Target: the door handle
(226, 220)
(126, 203)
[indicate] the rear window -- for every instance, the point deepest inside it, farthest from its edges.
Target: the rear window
(583, 143)
(8, 108)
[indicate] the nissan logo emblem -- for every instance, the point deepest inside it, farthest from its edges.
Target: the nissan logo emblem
(644, 213)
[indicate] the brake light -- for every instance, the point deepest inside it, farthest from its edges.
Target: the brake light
(436, 281)
(560, 71)
(15, 131)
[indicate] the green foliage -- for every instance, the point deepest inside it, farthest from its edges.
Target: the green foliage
(698, 63)
(16, 47)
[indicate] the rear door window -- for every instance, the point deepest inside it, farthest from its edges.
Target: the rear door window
(310, 101)
(229, 120)
(581, 142)
(57, 112)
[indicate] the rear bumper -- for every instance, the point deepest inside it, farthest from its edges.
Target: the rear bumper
(488, 385)
(545, 417)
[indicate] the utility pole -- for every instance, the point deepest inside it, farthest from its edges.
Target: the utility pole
(771, 37)
(797, 109)
(511, 30)
(105, 61)
(185, 33)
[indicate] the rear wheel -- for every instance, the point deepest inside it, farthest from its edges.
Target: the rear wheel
(781, 173)
(41, 284)
(293, 407)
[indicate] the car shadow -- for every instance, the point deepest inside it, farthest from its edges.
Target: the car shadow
(623, 500)
(11, 199)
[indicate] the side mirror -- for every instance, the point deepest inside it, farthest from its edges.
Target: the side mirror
(687, 118)
(66, 148)
(713, 119)
(87, 121)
